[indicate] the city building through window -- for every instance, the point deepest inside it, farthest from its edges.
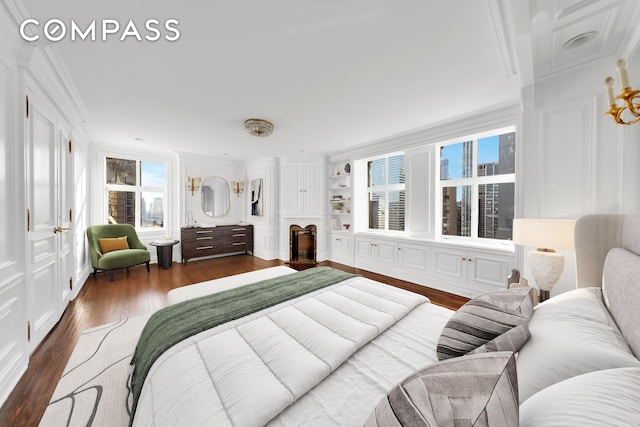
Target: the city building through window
(386, 192)
(477, 185)
(136, 192)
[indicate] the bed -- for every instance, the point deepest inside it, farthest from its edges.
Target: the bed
(365, 337)
(341, 355)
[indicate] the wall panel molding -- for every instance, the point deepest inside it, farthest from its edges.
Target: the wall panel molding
(567, 156)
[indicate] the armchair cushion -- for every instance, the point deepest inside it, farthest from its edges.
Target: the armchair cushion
(123, 258)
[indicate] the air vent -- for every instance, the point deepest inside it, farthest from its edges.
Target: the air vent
(579, 40)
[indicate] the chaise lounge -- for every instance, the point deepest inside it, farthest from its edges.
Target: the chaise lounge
(115, 246)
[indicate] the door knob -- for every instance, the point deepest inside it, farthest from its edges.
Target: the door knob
(60, 229)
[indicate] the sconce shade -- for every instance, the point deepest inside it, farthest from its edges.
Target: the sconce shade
(544, 233)
(237, 187)
(193, 184)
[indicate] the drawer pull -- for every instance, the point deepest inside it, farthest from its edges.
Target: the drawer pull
(239, 243)
(204, 238)
(201, 248)
(239, 235)
(238, 229)
(204, 232)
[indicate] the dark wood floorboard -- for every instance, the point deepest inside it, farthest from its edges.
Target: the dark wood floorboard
(130, 294)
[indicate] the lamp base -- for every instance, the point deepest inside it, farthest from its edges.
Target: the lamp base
(544, 295)
(546, 269)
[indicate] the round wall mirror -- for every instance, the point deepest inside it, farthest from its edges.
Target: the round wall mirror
(215, 193)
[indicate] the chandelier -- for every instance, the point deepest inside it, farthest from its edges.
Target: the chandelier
(627, 96)
(258, 127)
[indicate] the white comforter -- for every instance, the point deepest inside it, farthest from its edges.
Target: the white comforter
(246, 372)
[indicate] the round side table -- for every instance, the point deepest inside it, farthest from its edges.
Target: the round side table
(164, 250)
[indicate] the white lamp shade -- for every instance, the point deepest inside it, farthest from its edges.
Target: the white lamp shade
(544, 233)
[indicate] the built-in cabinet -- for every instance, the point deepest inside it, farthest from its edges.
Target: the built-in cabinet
(443, 266)
(471, 269)
(302, 185)
(341, 247)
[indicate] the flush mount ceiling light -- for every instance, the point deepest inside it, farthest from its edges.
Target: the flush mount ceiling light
(258, 127)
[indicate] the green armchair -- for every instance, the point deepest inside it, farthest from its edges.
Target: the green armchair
(123, 258)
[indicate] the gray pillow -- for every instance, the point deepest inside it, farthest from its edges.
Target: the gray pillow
(475, 390)
(496, 321)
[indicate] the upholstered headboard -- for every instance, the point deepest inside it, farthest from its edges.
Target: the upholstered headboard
(595, 236)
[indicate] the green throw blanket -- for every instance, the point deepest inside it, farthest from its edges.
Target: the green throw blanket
(175, 323)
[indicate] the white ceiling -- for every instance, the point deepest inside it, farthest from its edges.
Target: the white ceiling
(330, 74)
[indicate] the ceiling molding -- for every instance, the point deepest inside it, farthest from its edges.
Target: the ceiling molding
(632, 45)
(503, 26)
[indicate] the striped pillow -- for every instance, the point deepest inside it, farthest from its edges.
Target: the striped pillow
(477, 390)
(496, 321)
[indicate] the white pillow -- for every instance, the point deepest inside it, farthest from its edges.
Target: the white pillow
(571, 334)
(603, 398)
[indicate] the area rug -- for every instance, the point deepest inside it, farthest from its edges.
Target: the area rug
(94, 388)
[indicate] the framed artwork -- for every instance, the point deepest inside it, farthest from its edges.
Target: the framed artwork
(256, 197)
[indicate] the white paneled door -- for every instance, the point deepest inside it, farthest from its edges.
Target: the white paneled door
(49, 251)
(65, 216)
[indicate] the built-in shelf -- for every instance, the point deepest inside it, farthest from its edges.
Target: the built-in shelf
(339, 196)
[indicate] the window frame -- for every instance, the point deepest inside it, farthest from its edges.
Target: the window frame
(474, 181)
(386, 188)
(139, 189)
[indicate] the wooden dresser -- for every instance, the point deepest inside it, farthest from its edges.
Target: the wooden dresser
(220, 240)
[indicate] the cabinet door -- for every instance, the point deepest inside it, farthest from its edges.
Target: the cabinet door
(450, 264)
(386, 253)
(487, 271)
(413, 258)
(364, 250)
(293, 188)
(344, 246)
(311, 194)
(334, 242)
(341, 248)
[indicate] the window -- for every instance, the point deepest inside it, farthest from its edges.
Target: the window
(477, 186)
(136, 192)
(385, 189)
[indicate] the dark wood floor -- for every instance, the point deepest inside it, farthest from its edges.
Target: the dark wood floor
(137, 292)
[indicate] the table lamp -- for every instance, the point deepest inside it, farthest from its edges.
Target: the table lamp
(547, 235)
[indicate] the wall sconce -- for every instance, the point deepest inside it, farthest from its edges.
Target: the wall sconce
(627, 95)
(193, 184)
(237, 187)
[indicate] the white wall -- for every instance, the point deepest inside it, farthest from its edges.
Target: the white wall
(577, 161)
(203, 167)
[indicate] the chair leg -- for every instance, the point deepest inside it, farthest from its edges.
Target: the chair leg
(95, 270)
(148, 269)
